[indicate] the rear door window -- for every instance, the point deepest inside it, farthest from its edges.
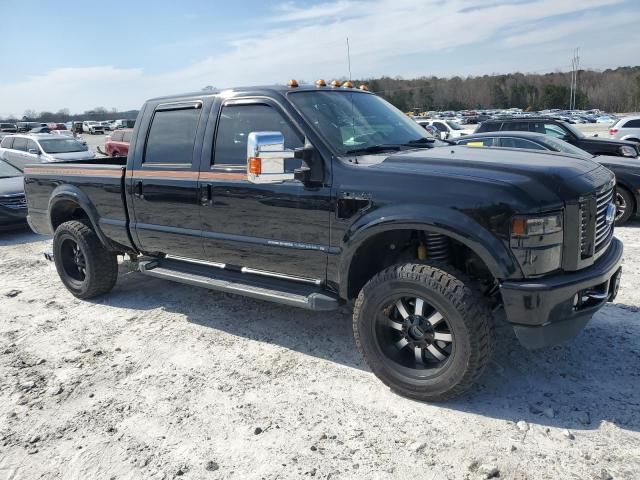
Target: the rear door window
(6, 142)
(477, 142)
(126, 137)
(632, 124)
(116, 137)
(172, 136)
(554, 130)
(20, 144)
(515, 126)
(510, 142)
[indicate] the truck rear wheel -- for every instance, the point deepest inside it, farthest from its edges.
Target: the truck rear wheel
(426, 331)
(85, 267)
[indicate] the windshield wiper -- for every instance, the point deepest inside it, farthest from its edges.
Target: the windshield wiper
(373, 149)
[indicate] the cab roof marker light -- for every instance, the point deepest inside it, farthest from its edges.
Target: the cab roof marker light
(292, 83)
(335, 83)
(321, 83)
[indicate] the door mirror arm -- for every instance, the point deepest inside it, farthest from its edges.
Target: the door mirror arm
(311, 171)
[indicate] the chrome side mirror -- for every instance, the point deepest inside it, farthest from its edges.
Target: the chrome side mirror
(265, 158)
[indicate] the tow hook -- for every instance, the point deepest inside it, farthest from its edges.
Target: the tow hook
(48, 256)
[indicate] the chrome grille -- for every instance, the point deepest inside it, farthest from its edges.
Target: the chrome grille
(604, 230)
(16, 201)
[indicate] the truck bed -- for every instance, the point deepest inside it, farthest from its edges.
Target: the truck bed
(97, 185)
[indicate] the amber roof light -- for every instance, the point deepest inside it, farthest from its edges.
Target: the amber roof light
(321, 83)
(364, 87)
(347, 84)
(335, 83)
(292, 83)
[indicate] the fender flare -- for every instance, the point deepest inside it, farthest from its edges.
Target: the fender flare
(74, 194)
(452, 223)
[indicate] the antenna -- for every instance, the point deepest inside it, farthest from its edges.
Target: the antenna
(349, 58)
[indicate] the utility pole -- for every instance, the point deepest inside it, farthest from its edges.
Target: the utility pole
(575, 65)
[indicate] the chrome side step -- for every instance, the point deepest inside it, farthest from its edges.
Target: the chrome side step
(287, 292)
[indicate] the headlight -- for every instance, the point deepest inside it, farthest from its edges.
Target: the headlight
(628, 151)
(531, 226)
(536, 241)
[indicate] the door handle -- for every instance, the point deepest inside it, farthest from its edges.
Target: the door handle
(138, 190)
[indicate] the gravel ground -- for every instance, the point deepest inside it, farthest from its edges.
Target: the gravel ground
(159, 381)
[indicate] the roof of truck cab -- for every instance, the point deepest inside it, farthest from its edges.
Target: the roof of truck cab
(280, 89)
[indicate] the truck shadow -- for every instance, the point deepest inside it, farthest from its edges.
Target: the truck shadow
(20, 235)
(578, 385)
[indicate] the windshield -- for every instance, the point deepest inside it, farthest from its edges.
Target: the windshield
(453, 125)
(573, 130)
(564, 147)
(353, 121)
(7, 170)
(62, 145)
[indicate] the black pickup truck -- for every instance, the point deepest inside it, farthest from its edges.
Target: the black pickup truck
(314, 196)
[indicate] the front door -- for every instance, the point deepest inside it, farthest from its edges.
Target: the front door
(281, 228)
(164, 182)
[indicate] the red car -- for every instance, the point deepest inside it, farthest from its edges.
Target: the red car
(118, 143)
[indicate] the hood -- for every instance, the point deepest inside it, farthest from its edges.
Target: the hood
(608, 141)
(53, 157)
(562, 176)
(12, 185)
(624, 162)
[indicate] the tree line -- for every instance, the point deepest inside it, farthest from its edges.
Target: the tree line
(613, 90)
(64, 115)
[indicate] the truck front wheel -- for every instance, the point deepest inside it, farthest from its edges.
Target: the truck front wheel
(85, 267)
(426, 331)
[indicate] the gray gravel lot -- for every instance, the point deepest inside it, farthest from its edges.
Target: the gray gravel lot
(159, 381)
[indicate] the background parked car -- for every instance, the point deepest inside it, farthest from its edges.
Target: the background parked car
(13, 206)
(118, 143)
(26, 126)
(8, 127)
(627, 171)
(69, 133)
(40, 130)
(448, 129)
(563, 131)
(92, 127)
(123, 123)
(106, 125)
(20, 150)
(627, 128)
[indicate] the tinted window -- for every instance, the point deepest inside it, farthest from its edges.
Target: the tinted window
(554, 130)
(31, 145)
(126, 137)
(6, 142)
(477, 142)
(238, 121)
(440, 126)
(515, 126)
(632, 124)
(508, 142)
(172, 136)
(20, 144)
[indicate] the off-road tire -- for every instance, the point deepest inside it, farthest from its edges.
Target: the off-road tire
(467, 311)
(101, 264)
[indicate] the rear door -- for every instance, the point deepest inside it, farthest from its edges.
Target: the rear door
(17, 155)
(163, 181)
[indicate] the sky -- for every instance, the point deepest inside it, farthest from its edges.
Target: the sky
(116, 54)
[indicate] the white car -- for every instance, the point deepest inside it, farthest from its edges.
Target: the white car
(448, 128)
(21, 150)
(605, 119)
(627, 128)
(69, 133)
(92, 127)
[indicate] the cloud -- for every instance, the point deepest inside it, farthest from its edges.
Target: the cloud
(394, 37)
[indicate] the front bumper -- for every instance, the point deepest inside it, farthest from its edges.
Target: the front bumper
(12, 218)
(548, 311)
